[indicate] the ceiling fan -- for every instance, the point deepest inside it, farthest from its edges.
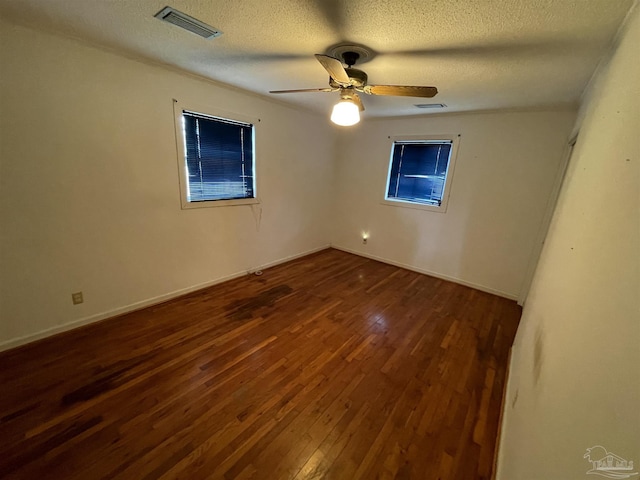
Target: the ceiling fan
(349, 81)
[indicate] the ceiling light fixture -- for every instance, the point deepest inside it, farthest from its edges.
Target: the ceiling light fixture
(345, 113)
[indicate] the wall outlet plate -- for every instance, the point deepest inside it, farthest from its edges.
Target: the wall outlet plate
(76, 298)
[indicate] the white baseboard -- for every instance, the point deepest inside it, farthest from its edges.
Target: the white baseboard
(482, 288)
(16, 342)
(292, 257)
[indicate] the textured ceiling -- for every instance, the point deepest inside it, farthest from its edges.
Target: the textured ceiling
(481, 54)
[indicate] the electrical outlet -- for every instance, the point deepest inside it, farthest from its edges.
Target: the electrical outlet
(76, 298)
(364, 241)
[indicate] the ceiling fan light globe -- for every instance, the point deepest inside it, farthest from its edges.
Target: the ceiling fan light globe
(345, 113)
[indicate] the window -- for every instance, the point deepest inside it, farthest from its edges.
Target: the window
(420, 171)
(216, 160)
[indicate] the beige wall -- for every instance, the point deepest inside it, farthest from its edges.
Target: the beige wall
(575, 375)
(89, 197)
(505, 169)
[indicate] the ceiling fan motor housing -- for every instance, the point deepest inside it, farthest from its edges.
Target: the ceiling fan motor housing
(358, 78)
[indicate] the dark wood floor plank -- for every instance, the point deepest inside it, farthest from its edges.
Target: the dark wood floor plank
(331, 366)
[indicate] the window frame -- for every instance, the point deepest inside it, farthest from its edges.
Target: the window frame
(199, 109)
(442, 208)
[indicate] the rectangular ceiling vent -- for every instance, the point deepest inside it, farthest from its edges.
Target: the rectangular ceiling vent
(191, 24)
(430, 105)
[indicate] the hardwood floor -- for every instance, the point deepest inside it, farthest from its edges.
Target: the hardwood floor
(331, 366)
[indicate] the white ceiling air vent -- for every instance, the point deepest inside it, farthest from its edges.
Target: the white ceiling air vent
(183, 20)
(430, 105)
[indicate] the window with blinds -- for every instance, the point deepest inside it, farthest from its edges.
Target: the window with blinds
(419, 171)
(218, 158)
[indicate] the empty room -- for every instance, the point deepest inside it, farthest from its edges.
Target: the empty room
(319, 239)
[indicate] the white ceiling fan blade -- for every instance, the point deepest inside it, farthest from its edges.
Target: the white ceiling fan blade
(335, 69)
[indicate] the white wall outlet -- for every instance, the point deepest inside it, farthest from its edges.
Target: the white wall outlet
(76, 298)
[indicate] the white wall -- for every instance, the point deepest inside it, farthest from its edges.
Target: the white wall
(575, 374)
(90, 201)
(505, 169)
(89, 194)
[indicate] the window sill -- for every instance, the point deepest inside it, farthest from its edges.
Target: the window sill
(220, 203)
(417, 206)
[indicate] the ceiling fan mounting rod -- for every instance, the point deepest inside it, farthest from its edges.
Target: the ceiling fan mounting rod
(350, 58)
